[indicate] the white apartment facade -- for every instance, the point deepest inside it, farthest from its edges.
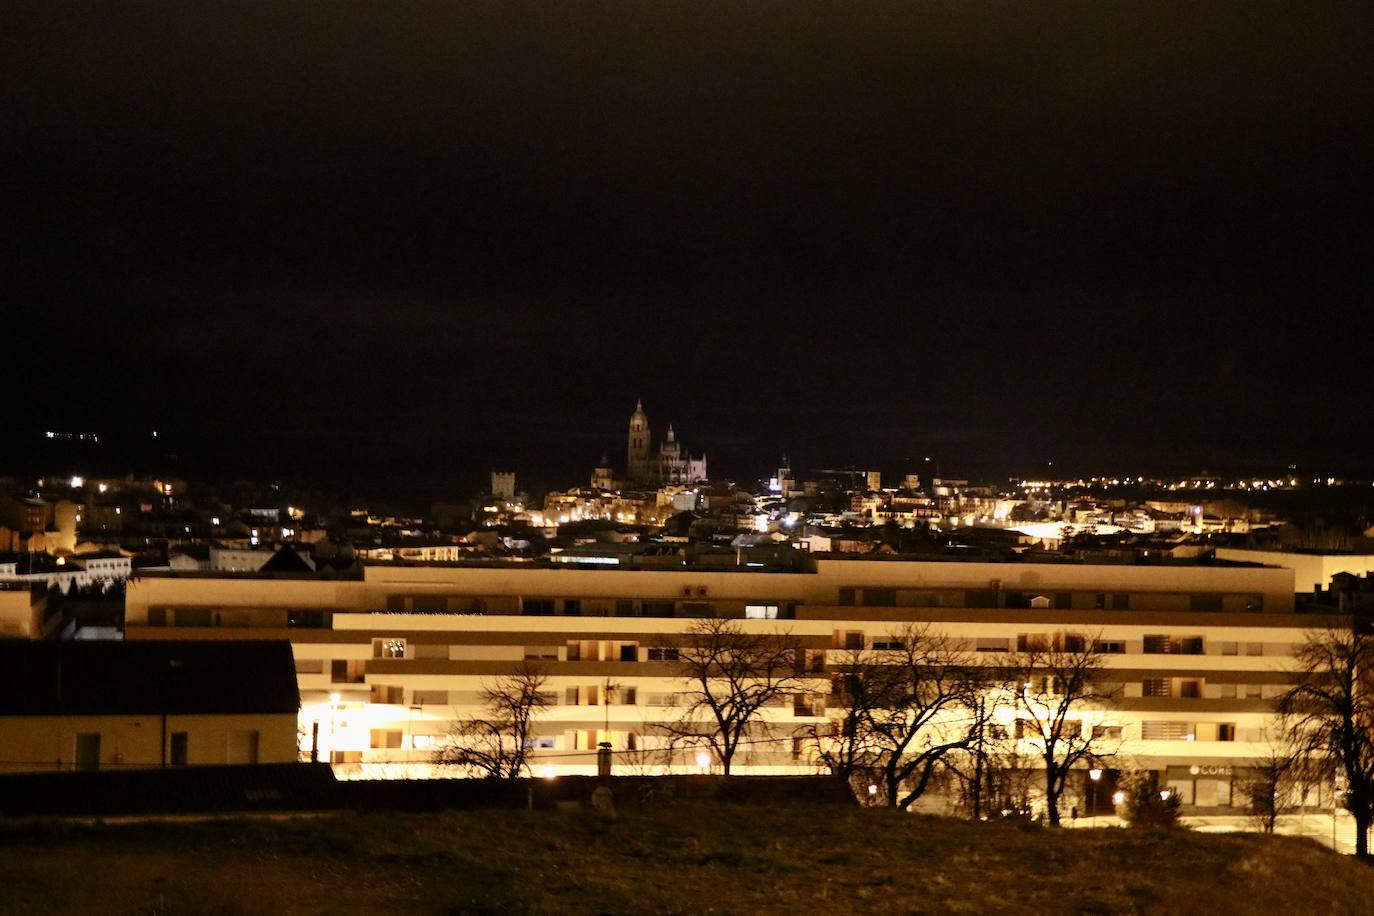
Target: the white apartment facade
(386, 663)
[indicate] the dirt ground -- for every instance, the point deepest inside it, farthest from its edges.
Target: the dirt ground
(674, 859)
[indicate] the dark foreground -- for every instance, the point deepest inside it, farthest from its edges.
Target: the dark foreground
(683, 858)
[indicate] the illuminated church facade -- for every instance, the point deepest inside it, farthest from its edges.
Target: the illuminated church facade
(670, 464)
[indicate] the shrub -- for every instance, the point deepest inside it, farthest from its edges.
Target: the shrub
(1146, 805)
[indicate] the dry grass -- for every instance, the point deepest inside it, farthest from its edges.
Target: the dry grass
(675, 859)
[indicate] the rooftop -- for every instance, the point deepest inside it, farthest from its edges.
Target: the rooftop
(130, 678)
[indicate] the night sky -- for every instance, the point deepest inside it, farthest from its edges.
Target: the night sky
(399, 245)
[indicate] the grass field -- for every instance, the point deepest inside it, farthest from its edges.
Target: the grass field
(688, 858)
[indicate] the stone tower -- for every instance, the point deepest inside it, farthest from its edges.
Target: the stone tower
(641, 462)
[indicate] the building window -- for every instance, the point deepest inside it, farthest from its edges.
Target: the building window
(1168, 731)
(347, 671)
(431, 698)
(88, 751)
(1112, 732)
(983, 644)
(1207, 603)
(538, 607)
(386, 738)
(761, 611)
(1109, 646)
(1154, 687)
(880, 597)
(179, 746)
(383, 694)
(389, 648)
(572, 607)
(306, 619)
(1121, 601)
(663, 655)
(629, 652)
(849, 639)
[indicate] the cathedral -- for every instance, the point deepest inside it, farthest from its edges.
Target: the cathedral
(669, 465)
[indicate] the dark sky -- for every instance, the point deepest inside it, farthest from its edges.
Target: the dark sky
(404, 243)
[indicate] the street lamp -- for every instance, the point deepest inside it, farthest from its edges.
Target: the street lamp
(703, 760)
(1093, 776)
(333, 704)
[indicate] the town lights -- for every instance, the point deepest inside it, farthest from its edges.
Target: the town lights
(1119, 798)
(703, 760)
(549, 772)
(872, 790)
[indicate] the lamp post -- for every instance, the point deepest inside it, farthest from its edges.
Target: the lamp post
(1093, 776)
(333, 703)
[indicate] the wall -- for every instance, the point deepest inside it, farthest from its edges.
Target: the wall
(1309, 570)
(49, 742)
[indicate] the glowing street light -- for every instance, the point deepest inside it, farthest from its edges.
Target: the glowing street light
(703, 760)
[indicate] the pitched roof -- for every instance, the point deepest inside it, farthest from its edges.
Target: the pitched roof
(142, 677)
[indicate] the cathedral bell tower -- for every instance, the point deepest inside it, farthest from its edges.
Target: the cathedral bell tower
(640, 465)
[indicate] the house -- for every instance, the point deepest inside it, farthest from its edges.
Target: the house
(24, 612)
(105, 704)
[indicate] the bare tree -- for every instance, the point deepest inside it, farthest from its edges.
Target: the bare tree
(843, 743)
(732, 675)
(1329, 714)
(496, 746)
(993, 776)
(1269, 782)
(917, 702)
(1050, 683)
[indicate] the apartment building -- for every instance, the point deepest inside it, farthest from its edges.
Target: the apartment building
(1198, 652)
